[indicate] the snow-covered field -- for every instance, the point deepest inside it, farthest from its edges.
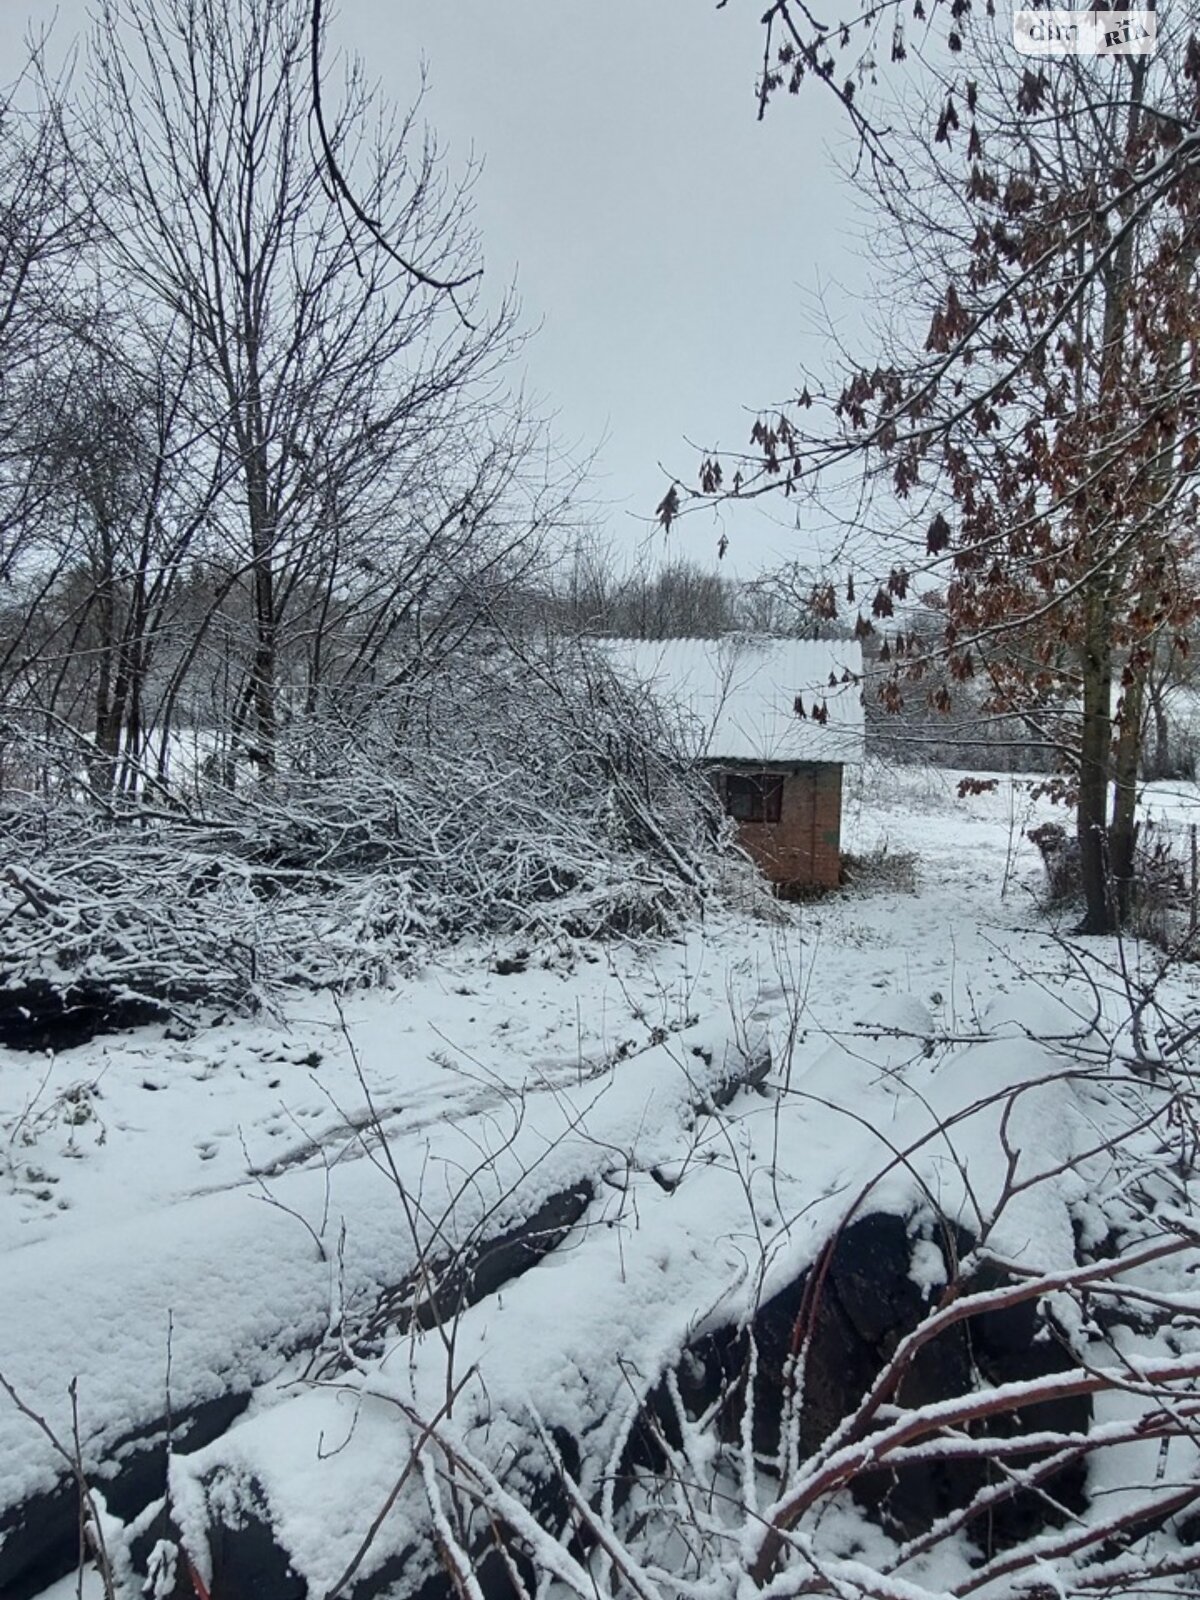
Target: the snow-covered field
(199, 1209)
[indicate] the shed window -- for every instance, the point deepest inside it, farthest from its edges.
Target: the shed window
(754, 799)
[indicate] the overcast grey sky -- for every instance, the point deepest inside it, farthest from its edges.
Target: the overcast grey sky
(669, 246)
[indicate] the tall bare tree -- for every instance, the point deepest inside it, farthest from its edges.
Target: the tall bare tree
(371, 449)
(44, 223)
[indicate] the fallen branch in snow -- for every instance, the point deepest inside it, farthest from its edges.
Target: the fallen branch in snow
(887, 1447)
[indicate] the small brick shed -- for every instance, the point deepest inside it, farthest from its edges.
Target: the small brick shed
(775, 721)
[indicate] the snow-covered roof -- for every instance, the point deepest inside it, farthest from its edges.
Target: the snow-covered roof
(743, 698)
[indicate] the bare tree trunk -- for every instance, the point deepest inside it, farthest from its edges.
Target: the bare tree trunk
(264, 687)
(1162, 731)
(107, 723)
(262, 512)
(1107, 855)
(1094, 759)
(1122, 848)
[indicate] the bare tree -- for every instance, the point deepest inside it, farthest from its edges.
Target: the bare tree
(367, 436)
(44, 221)
(124, 490)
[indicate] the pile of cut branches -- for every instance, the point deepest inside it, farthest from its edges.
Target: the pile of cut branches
(540, 803)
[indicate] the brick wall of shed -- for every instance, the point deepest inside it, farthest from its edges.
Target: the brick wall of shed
(803, 848)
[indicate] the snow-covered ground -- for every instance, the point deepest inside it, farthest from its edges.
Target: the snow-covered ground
(214, 1202)
(112, 1131)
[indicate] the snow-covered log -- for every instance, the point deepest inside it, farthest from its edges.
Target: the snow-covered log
(778, 1358)
(186, 1313)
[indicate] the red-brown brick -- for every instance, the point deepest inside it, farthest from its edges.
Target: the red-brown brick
(803, 849)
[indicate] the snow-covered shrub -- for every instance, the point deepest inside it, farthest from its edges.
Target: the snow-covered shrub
(529, 794)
